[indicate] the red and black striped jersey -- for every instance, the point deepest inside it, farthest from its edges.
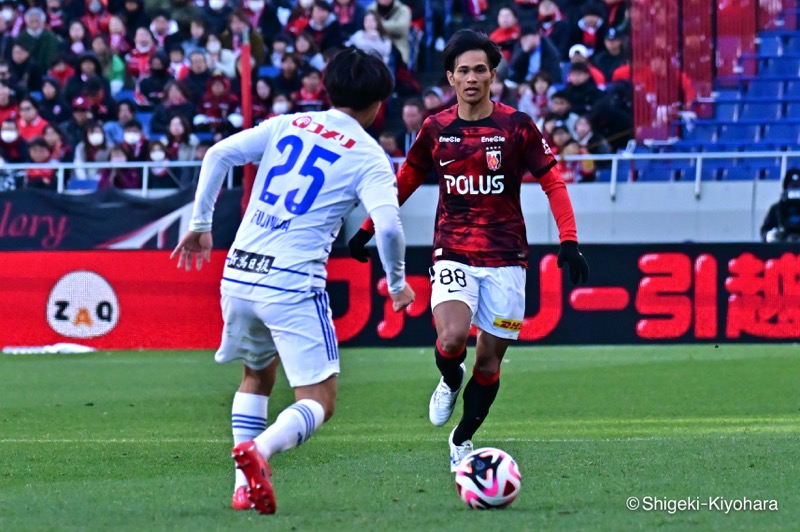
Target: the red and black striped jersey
(480, 165)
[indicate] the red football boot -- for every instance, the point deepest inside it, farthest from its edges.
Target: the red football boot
(241, 501)
(258, 475)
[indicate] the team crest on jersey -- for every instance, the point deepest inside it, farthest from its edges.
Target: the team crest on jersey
(493, 156)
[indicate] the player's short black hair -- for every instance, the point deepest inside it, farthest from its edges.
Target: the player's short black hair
(356, 79)
(466, 40)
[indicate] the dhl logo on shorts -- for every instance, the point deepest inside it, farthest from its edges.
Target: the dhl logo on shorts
(509, 325)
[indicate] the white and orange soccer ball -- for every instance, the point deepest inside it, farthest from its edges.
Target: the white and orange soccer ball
(488, 478)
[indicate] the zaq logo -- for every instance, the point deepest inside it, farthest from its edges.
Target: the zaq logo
(82, 305)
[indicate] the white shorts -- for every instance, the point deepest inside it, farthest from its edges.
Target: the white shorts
(301, 333)
(496, 296)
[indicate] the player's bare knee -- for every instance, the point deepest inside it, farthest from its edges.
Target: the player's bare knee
(453, 342)
(487, 369)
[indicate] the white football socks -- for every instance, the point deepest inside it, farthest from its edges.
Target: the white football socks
(292, 427)
(248, 420)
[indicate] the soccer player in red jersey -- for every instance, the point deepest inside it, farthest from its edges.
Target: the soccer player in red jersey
(480, 150)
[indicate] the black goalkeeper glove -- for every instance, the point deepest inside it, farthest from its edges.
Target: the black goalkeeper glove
(571, 255)
(358, 245)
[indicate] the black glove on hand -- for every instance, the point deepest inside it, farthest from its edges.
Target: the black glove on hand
(357, 245)
(571, 255)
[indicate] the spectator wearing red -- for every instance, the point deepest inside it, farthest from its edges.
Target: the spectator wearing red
(137, 62)
(578, 53)
(299, 17)
(311, 96)
(178, 65)
(61, 70)
(56, 17)
(659, 71)
(29, 123)
(39, 153)
(218, 102)
(614, 55)
(97, 17)
(9, 110)
(507, 33)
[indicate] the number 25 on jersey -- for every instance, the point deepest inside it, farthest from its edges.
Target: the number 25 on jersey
(289, 196)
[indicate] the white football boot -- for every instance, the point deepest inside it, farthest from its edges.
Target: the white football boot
(458, 452)
(443, 400)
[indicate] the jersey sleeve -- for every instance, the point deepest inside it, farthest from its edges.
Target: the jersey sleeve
(538, 156)
(377, 186)
(418, 163)
(560, 204)
(243, 147)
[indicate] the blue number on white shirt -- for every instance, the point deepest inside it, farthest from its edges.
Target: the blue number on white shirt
(308, 169)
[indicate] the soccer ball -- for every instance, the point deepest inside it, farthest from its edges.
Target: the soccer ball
(488, 478)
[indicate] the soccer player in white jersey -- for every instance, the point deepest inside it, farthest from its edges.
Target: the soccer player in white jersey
(314, 169)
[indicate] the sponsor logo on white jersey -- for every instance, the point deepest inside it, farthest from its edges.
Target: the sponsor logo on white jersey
(474, 184)
(306, 122)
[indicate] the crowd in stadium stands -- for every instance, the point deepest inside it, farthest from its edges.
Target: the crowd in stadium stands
(157, 80)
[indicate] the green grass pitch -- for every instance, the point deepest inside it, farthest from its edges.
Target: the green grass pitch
(141, 441)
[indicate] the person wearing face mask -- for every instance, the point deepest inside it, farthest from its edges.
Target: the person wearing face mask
(92, 149)
(137, 61)
(216, 14)
(42, 43)
(152, 87)
(281, 104)
(219, 59)
(554, 25)
(134, 142)
(96, 17)
(116, 177)
(13, 148)
(162, 176)
(10, 13)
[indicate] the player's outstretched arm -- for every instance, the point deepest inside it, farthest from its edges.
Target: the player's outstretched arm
(392, 249)
(194, 246)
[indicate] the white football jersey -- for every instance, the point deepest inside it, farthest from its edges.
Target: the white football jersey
(314, 169)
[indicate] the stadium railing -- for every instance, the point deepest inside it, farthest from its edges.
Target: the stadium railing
(629, 166)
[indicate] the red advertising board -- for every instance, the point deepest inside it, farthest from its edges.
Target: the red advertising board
(636, 293)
